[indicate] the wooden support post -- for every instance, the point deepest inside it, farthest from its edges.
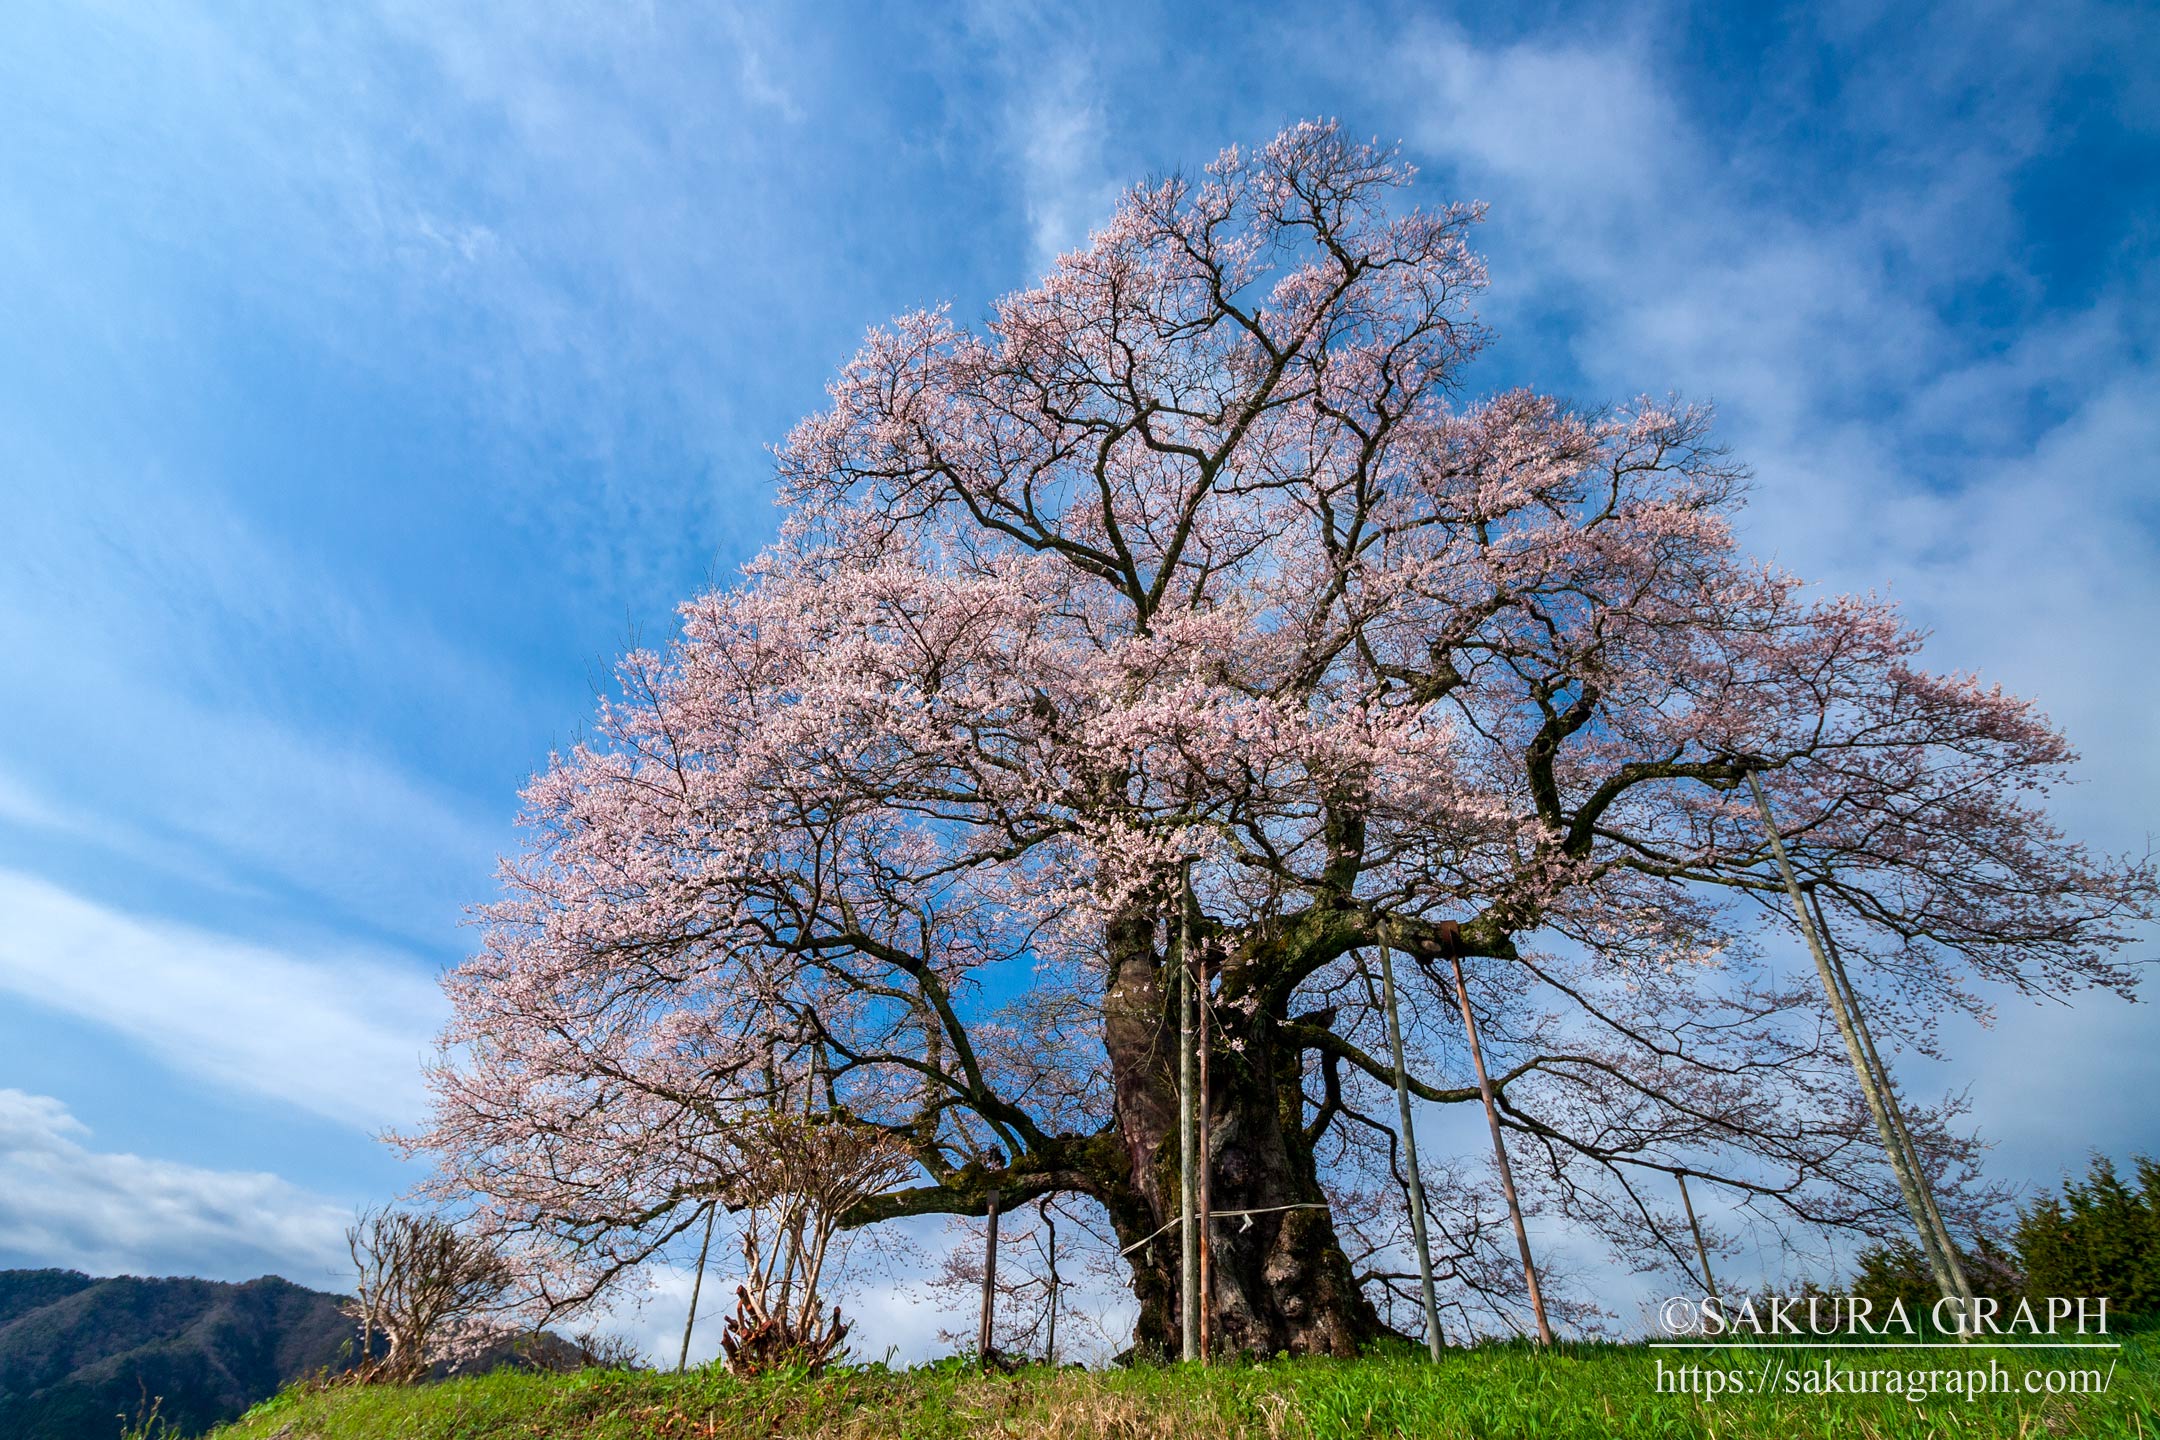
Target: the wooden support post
(1499, 1145)
(1049, 1219)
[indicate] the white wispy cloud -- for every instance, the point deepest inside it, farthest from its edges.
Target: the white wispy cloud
(22, 804)
(194, 689)
(1053, 128)
(65, 1204)
(338, 1034)
(1060, 136)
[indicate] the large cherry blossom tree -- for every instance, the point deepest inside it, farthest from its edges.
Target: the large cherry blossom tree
(1196, 552)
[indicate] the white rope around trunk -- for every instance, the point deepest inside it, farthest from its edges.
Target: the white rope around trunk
(1248, 1214)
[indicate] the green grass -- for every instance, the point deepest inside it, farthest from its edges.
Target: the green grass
(1605, 1391)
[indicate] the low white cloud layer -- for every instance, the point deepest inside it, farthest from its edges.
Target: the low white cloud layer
(338, 1035)
(65, 1204)
(893, 1313)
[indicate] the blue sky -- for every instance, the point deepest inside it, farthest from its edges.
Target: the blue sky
(369, 378)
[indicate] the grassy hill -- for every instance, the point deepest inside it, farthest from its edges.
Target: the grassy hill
(1601, 1391)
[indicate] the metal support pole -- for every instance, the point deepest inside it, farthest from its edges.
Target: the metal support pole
(1896, 1112)
(1908, 1181)
(1203, 1199)
(1188, 1085)
(1702, 1251)
(985, 1343)
(1409, 1137)
(682, 1361)
(1049, 1219)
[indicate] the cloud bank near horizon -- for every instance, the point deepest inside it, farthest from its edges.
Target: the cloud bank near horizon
(68, 1206)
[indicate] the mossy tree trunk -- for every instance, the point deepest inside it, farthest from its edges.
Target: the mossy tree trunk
(1281, 1282)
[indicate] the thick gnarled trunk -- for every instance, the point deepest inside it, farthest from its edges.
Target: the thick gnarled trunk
(1280, 1280)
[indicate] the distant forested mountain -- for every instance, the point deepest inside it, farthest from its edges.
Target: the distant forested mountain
(77, 1354)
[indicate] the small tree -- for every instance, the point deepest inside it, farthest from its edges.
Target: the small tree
(603, 1350)
(2100, 1237)
(799, 1176)
(1897, 1271)
(423, 1287)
